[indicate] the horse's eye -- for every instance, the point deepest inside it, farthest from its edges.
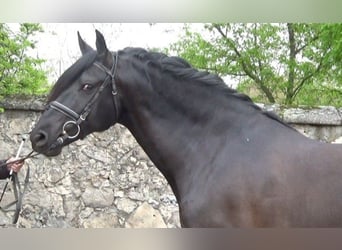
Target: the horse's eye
(87, 87)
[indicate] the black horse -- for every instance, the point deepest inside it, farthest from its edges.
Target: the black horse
(228, 162)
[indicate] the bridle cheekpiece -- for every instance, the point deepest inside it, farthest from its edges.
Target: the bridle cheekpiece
(77, 119)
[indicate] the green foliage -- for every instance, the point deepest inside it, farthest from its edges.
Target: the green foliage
(319, 94)
(20, 73)
(331, 39)
(283, 63)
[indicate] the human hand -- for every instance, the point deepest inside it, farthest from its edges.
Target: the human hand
(14, 166)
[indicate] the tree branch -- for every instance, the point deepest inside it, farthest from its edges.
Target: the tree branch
(306, 78)
(237, 74)
(237, 52)
(307, 44)
(292, 61)
(246, 67)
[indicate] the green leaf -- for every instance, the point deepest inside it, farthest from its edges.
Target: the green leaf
(269, 65)
(20, 73)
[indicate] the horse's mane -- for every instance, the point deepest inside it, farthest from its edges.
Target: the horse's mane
(176, 66)
(183, 70)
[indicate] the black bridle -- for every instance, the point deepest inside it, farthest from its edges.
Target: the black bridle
(77, 119)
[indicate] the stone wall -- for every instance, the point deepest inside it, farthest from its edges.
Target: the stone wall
(107, 180)
(320, 123)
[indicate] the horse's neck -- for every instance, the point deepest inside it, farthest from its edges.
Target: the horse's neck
(164, 142)
(172, 132)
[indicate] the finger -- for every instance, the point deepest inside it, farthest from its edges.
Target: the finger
(15, 167)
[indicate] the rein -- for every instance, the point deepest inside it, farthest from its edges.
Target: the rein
(77, 119)
(18, 192)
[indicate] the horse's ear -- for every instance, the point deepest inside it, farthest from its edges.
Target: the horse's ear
(101, 46)
(85, 48)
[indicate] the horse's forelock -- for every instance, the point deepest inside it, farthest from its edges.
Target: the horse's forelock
(71, 74)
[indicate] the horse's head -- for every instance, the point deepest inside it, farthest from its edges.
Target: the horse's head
(83, 100)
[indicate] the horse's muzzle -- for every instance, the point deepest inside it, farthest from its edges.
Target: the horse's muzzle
(40, 143)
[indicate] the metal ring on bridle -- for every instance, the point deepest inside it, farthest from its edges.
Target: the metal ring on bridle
(78, 129)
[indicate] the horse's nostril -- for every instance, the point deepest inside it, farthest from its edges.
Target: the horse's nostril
(40, 138)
